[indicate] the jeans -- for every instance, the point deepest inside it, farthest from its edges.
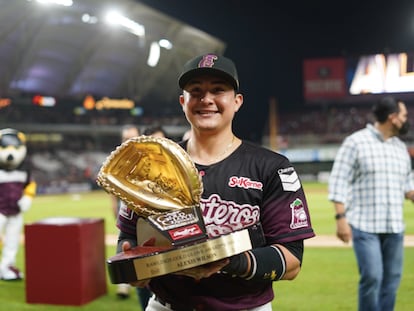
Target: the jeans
(380, 263)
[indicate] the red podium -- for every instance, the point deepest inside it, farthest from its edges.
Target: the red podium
(65, 261)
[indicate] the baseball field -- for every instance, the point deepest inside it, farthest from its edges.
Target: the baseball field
(327, 282)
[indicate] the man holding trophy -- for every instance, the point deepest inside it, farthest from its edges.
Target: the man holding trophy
(253, 214)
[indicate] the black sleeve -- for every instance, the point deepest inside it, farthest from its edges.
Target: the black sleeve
(296, 248)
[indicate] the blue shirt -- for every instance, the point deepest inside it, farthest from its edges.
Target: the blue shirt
(370, 176)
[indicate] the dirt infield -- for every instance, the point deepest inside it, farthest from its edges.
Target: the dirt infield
(318, 241)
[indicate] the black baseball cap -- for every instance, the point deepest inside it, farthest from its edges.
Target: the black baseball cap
(211, 64)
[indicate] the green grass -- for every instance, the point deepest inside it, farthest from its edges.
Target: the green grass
(322, 211)
(95, 204)
(328, 280)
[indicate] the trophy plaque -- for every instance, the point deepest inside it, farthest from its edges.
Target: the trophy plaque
(157, 179)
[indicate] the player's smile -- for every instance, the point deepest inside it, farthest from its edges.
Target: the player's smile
(207, 112)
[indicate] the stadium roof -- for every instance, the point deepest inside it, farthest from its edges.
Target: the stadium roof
(70, 51)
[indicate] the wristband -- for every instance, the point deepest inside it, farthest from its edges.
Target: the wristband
(339, 216)
(260, 264)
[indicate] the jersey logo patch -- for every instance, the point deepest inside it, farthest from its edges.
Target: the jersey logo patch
(245, 182)
(299, 217)
(290, 179)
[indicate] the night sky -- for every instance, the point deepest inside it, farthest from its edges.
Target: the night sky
(268, 40)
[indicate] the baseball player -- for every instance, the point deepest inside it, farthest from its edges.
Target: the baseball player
(244, 184)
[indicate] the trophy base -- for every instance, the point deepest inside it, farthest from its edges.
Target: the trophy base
(144, 262)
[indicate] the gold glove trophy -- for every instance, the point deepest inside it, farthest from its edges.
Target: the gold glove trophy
(157, 179)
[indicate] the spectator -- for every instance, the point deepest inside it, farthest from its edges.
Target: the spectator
(370, 177)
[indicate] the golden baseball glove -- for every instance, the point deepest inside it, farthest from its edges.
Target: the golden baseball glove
(151, 175)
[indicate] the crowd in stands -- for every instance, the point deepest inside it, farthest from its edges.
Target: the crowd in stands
(65, 170)
(321, 126)
(73, 163)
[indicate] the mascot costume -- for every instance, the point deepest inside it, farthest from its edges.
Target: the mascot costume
(16, 193)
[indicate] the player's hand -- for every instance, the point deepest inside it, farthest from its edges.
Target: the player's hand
(127, 246)
(343, 230)
(206, 270)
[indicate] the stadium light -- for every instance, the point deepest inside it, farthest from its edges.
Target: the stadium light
(58, 2)
(89, 19)
(154, 54)
(166, 44)
(155, 51)
(115, 18)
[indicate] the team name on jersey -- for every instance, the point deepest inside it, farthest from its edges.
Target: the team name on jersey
(245, 182)
(221, 216)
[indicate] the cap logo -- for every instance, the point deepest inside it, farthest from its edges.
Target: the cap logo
(207, 61)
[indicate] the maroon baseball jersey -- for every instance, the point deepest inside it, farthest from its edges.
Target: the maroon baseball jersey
(252, 185)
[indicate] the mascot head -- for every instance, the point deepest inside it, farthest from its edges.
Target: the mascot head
(12, 148)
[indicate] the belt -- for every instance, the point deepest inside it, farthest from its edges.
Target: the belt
(171, 306)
